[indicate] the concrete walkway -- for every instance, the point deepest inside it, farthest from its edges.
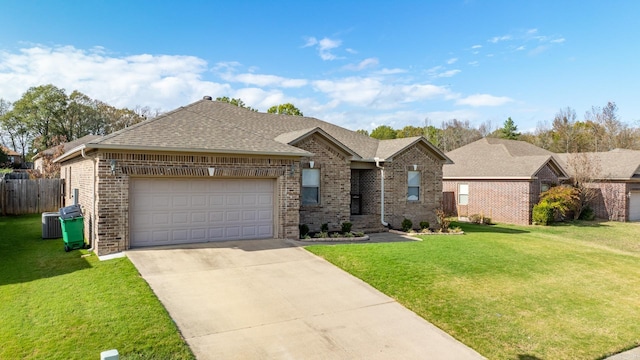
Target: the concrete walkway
(268, 299)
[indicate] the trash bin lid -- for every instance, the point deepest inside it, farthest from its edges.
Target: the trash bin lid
(69, 212)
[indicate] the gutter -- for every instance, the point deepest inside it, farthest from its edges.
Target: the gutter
(384, 223)
(93, 198)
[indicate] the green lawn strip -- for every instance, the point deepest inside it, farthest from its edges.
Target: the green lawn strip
(57, 305)
(511, 292)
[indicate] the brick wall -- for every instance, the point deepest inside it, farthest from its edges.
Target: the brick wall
(397, 207)
(335, 185)
(502, 201)
(611, 201)
(78, 174)
(110, 224)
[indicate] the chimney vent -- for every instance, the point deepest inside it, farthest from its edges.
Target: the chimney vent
(207, 97)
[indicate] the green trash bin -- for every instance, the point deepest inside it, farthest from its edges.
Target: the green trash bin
(73, 233)
(72, 224)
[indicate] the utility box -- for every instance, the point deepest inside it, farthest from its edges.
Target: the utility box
(51, 227)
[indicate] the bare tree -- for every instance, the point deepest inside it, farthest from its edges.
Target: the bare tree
(585, 168)
(564, 126)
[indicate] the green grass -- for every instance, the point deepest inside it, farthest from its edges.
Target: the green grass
(509, 292)
(57, 305)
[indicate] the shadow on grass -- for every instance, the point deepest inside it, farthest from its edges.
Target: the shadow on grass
(528, 357)
(582, 223)
(475, 228)
(25, 256)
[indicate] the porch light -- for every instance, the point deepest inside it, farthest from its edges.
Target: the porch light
(415, 167)
(211, 171)
(113, 166)
(311, 163)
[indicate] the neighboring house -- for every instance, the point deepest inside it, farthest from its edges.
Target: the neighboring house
(617, 181)
(212, 171)
(38, 159)
(500, 179)
(14, 158)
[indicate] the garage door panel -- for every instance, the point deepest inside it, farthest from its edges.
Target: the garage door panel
(634, 206)
(176, 211)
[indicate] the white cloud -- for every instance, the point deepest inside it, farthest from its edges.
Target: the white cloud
(157, 81)
(324, 47)
(448, 73)
(558, 41)
(364, 64)
(452, 61)
(520, 48)
(473, 63)
(264, 80)
(484, 100)
(532, 31)
(476, 46)
(350, 51)
(497, 39)
(386, 71)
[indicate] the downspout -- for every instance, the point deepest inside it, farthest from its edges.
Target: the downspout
(384, 223)
(93, 199)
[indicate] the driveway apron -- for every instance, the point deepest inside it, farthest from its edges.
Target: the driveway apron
(267, 299)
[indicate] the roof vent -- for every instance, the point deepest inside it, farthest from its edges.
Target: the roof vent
(207, 97)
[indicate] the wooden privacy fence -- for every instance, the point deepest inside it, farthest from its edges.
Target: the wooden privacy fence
(30, 196)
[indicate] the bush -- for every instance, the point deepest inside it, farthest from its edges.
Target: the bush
(346, 227)
(563, 200)
(479, 219)
(304, 230)
(324, 227)
(424, 225)
(442, 220)
(543, 213)
(322, 234)
(358, 234)
(406, 225)
(587, 214)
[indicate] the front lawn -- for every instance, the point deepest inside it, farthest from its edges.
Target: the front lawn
(57, 305)
(509, 292)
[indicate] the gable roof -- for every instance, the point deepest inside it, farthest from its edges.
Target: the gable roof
(492, 158)
(67, 146)
(617, 164)
(9, 152)
(214, 126)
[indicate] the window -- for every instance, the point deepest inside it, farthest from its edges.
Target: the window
(544, 187)
(463, 194)
(413, 181)
(310, 186)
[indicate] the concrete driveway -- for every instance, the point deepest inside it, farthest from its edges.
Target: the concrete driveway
(267, 299)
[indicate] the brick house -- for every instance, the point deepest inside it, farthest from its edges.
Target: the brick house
(500, 179)
(14, 159)
(617, 182)
(38, 159)
(211, 171)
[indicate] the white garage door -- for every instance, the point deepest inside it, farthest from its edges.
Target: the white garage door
(180, 211)
(634, 206)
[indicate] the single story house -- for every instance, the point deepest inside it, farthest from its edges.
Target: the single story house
(14, 158)
(498, 178)
(617, 182)
(212, 171)
(38, 159)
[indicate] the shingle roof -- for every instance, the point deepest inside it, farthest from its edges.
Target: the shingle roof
(9, 152)
(214, 126)
(492, 158)
(68, 145)
(617, 164)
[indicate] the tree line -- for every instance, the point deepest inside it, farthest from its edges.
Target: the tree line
(46, 116)
(599, 130)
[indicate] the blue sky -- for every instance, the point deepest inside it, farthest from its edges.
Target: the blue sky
(358, 64)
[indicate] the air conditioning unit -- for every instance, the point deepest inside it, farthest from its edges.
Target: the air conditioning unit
(51, 228)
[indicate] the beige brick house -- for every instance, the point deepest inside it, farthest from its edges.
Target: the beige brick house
(498, 178)
(211, 171)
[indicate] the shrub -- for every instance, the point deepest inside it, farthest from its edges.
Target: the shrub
(348, 235)
(359, 234)
(336, 235)
(476, 219)
(587, 214)
(322, 234)
(543, 213)
(346, 227)
(324, 227)
(424, 225)
(304, 230)
(563, 199)
(406, 225)
(442, 220)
